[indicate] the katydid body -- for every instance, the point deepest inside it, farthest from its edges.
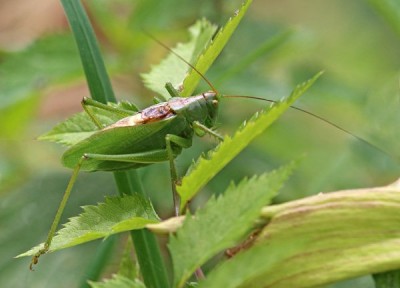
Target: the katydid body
(142, 139)
(155, 134)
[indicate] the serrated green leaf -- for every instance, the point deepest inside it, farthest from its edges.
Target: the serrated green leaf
(174, 70)
(222, 222)
(115, 215)
(71, 131)
(79, 126)
(319, 240)
(208, 166)
(213, 50)
(118, 281)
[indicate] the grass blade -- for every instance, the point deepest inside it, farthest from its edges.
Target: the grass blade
(148, 251)
(389, 10)
(93, 65)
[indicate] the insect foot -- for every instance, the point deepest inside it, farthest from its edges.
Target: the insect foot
(35, 258)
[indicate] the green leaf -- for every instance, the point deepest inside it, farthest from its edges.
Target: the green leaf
(48, 60)
(389, 10)
(127, 274)
(319, 240)
(390, 279)
(269, 45)
(174, 70)
(93, 65)
(147, 249)
(117, 281)
(116, 215)
(71, 131)
(25, 74)
(80, 126)
(208, 166)
(213, 50)
(222, 222)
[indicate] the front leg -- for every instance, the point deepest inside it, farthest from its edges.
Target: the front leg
(184, 143)
(197, 126)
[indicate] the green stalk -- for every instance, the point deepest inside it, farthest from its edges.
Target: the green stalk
(103, 253)
(146, 246)
(389, 279)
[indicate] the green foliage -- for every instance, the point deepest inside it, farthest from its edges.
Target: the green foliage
(208, 166)
(128, 183)
(126, 276)
(115, 215)
(310, 242)
(128, 268)
(213, 50)
(174, 70)
(267, 47)
(319, 240)
(80, 126)
(73, 130)
(389, 279)
(92, 61)
(390, 11)
(222, 222)
(62, 63)
(23, 77)
(118, 281)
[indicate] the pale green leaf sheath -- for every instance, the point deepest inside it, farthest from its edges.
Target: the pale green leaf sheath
(222, 222)
(319, 240)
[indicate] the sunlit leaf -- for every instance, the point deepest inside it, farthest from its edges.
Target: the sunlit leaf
(115, 215)
(319, 240)
(206, 59)
(174, 70)
(222, 222)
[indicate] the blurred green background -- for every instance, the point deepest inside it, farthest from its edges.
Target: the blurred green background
(356, 43)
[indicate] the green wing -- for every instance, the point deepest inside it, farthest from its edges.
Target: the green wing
(125, 140)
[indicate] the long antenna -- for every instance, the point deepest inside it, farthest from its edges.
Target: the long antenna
(269, 100)
(319, 118)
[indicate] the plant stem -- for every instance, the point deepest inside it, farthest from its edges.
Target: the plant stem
(146, 246)
(95, 268)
